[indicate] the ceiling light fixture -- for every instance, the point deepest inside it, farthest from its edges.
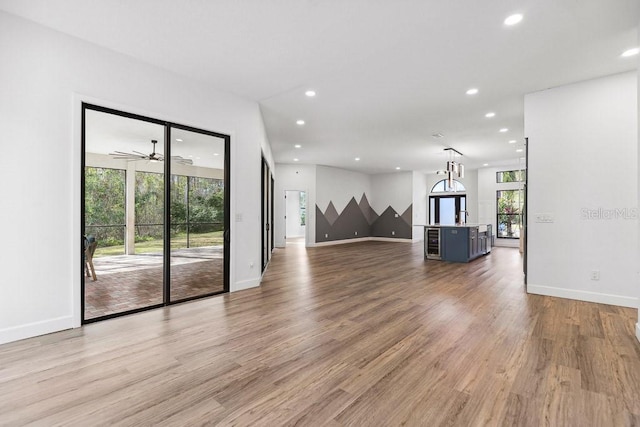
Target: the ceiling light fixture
(178, 139)
(310, 93)
(397, 168)
(454, 169)
(300, 122)
(519, 150)
(513, 19)
(503, 130)
(485, 164)
(472, 91)
(513, 141)
(630, 52)
(357, 159)
(216, 154)
(295, 160)
(297, 146)
(489, 115)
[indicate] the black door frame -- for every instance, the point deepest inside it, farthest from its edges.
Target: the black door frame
(266, 233)
(167, 208)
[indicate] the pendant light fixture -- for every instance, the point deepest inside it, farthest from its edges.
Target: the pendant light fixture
(454, 169)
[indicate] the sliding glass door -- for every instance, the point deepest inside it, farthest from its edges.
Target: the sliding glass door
(155, 213)
(197, 195)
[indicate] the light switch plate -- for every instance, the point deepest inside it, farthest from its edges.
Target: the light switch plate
(544, 218)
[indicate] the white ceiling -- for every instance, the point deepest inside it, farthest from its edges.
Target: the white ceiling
(106, 133)
(388, 74)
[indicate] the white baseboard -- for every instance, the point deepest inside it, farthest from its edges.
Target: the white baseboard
(35, 329)
(600, 298)
(638, 331)
(362, 239)
(245, 284)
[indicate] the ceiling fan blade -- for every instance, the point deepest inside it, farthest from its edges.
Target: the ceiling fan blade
(142, 154)
(181, 160)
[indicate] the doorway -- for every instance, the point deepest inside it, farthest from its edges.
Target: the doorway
(266, 186)
(155, 213)
(295, 216)
(448, 210)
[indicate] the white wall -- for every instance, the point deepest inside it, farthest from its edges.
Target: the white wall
(43, 78)
(340, 186)
(487, 198)
(420, 205)
(292, 202)
(583, 154)
(391, 189)
(294, 177)
(638, 176)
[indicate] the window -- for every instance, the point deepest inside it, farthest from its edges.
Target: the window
(511, 176)
(443, 187)
(303, 208)
(510, 207)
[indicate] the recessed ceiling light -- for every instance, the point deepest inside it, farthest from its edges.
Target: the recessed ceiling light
(485, 164)
(472, 91)
(297, 146)
(216, 154)
(397, 168)
(513, 141)
(504, 130)
(295, 160)
(300, 122)
(489, 115)
(513, 19)
(519, 150)
(310, 93)
(630, 52)
(178, 139)
(357, 159)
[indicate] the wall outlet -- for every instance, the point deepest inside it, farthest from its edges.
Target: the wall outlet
(251, 264)
(356, 233)
(238, 217)
(396, 215)
(393, 233)
(595, 274)
(326, 236)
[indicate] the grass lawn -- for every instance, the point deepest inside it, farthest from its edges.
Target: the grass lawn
(178, 241)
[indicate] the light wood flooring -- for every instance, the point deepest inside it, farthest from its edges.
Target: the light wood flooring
(364, 334)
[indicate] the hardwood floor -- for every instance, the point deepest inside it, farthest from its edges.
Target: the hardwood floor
(359, 334)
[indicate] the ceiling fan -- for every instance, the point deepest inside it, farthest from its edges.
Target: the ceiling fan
(153, 157)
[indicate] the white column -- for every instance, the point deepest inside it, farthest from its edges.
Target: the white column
(130, 239)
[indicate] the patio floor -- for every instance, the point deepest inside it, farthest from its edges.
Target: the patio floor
(127, 282)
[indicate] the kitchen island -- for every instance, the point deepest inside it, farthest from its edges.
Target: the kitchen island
(457, 243)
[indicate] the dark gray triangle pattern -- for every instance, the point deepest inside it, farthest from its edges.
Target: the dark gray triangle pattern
(353, 222)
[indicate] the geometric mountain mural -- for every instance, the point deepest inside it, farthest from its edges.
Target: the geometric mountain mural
(360, 220)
